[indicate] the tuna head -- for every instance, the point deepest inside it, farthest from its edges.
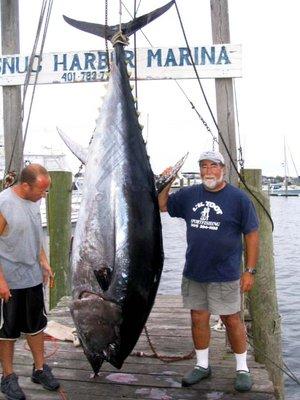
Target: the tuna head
(97, 321)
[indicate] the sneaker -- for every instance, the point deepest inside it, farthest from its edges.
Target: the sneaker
(45, 378)
(195, 375)
(243, 381)
(10, 387)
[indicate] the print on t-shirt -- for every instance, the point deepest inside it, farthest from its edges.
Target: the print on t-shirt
(207, 209)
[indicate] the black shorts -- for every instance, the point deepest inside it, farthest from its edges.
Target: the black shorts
(23, 313)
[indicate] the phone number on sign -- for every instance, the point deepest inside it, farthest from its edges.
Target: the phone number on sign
(88, 76)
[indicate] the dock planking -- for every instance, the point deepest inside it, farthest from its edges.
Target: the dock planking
(142, 377)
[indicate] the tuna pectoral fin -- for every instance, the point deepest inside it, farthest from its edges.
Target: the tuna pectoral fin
(103, 276)
(127, 28)
(161, 181)
(97, 322)
(78, 151)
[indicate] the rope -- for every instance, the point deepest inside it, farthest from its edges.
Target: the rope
(38, 68)
(48, 338)
(137, 8)
(215, 140)
(240, 150)
(155, 354)
(286, 371)
(8, 181)
(131, 16)
(33, 52)
(10, 177)
(120, 14)
(135, 61)
(190, 355)
(214, 120)
(292, 160)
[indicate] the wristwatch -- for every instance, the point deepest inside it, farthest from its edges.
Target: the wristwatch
(251, 271)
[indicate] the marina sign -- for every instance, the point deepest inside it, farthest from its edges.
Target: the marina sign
(213, 61)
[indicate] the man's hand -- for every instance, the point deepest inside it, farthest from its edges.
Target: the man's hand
(247, 282)
(167, 171)
(4, 290)
(47, 273)
(164, 194)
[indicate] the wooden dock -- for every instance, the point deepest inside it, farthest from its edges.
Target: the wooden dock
(142, 377)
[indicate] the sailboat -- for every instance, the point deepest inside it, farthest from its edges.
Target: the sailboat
(285, 188)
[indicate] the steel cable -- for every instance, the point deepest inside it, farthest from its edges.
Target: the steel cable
(26, 84)
(214, 119)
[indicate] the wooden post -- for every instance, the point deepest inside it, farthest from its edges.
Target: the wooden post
(266, 324)
(224, 90)
(13, 141)
(59, 228)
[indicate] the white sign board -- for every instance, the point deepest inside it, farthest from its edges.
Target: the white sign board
(213, 61)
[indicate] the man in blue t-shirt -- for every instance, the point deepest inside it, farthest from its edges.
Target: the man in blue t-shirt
(217, 215)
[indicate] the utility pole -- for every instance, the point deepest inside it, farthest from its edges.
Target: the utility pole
(224, 90)
(13, 142)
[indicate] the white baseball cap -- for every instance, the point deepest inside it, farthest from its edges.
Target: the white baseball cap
(210, 155)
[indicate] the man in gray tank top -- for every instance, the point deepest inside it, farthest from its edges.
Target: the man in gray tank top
(23, 270)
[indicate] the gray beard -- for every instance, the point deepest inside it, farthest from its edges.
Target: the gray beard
(211, 184)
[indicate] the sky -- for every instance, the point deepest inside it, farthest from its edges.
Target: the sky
(267, 94)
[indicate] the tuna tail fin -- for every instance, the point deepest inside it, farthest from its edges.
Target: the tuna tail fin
(107, 32)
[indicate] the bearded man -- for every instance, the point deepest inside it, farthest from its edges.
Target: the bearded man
(217, 216)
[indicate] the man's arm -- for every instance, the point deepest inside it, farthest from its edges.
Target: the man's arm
(4, 289)
(3, 224)
(163, 198)
(252, 251)
(47, 271)
(164, 194)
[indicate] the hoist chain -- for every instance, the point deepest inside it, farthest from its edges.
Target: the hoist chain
(106, 41)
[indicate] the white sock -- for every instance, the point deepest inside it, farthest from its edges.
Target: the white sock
(202, 358)
(241, 362)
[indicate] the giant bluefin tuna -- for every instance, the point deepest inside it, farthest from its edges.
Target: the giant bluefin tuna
(117, 255)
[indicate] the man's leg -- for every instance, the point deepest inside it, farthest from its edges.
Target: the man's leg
(9, 380)
(6, 356)
(41, 372)
(201, 335)
(236, 332)
(201, 339)
(237, 337)
(200, 328)
(36, 344)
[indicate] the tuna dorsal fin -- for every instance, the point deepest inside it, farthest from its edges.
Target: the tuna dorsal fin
(128, 28)
(79, 151)
(161, 181)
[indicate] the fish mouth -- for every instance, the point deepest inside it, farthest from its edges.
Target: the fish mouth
(97, 321)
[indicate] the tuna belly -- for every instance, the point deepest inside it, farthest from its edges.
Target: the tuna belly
(97, 321)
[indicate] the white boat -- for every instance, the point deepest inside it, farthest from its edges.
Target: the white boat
(280, 189)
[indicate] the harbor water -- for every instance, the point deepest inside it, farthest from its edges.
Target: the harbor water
(286, 216)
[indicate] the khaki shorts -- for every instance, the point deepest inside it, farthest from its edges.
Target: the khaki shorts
(219, 298)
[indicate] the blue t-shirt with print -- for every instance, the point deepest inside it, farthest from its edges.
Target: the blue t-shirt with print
(215, 223)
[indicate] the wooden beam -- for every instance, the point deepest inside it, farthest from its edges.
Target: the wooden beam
(59, 227)
(224, 90)
(266, 322)
(11, 94)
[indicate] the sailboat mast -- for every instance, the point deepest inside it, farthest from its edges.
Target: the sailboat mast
(285, 170)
